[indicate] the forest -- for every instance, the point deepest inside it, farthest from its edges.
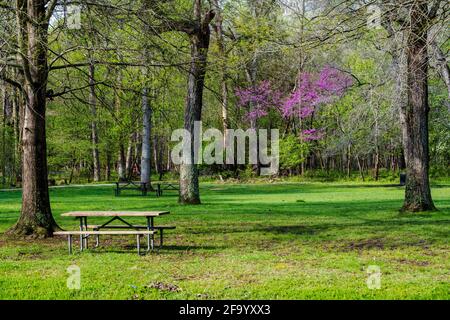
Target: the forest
(103, 85)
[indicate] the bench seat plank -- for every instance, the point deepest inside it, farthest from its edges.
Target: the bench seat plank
(115, 213)
(65, 233)
(127, 227)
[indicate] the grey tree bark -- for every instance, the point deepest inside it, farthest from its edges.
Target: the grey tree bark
(199, 38)
(415, 113)
(36, 218)
(146, 138)
(94, 131)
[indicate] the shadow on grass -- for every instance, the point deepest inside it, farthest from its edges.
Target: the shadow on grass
(126, 249)
(315, 229)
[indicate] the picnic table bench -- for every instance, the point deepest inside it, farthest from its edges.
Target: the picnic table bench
(131, 185)
(84, 232)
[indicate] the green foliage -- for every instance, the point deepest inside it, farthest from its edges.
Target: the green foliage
(293, 151)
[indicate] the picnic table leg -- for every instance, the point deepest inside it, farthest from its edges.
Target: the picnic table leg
(86, 236)
(138, 238)
(161, 238)
(150, 238)
(69, 240)
(144, 189)
(81, 235)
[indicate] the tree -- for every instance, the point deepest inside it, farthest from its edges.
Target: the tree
(415, 112)
(33, 18)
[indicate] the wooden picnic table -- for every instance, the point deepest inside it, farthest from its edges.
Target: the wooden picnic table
(116, 215)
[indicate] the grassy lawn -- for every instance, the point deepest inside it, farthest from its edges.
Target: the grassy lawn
(278, 241)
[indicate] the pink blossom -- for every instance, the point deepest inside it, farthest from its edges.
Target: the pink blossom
(313, 90)
(312, 134)
(262, 98)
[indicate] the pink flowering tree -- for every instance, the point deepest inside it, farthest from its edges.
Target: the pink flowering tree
(312, 91)
(259, 100)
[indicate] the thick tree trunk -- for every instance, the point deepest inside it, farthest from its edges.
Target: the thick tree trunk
(415, 114)
(3, 130)
(189, 186)
(94, 131)
(146, 136)
(36, 217)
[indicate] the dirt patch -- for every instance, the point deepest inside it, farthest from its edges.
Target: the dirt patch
(164, 287)
(413, 262)
(29, 255)
(378, 244)
(366, 244)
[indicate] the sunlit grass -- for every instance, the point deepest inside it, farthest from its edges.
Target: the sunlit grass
(278, 241)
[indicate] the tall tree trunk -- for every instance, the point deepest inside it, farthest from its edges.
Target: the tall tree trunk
(121, 170)
(377, 144)
(200, 38)
(223, 67)
(16, 135)
(108, 166)
(251, 74)
(121, 163)
(361, 168)
(146, 136)
(129, 158)
(3, 130)
(349, 160)
(36, 217)
(415, 114)
(94, 131)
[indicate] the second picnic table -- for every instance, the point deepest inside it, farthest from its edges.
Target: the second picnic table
(117, 215)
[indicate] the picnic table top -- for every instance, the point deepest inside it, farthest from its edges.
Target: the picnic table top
(115, 213)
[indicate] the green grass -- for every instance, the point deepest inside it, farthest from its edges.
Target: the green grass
(278, 241)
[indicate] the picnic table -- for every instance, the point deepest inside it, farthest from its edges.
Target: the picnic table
(84, 231)
(143, 187)
(165, 185)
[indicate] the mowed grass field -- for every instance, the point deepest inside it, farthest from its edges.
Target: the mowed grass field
(265, 241)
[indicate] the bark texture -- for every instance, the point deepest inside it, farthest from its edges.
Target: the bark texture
(200, 39)
(146, 136)
(94, 131)
(415, 113)
(36, 217)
